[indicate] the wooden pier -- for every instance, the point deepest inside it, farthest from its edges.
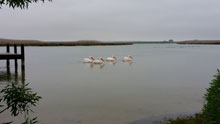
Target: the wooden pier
(14, 56)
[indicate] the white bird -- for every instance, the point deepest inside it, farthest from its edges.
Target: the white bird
(88, 60)
(113, 58)
(128, 58)
(98, 61)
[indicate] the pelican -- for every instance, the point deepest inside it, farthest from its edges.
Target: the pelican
(113, 58)
(98, 61)
(128, 58)
(88, 60)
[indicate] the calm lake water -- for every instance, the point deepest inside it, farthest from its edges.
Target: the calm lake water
(163, 79)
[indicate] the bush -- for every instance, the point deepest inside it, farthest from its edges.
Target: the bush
(196, 119)
(19, 99)
(211, 109)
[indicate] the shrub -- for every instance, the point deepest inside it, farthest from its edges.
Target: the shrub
(196, 119)
(211, 109)
(19, 99)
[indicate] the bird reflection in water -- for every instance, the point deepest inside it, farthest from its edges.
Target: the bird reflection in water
(128, 62)
(112, 62)
(101, 66)
(91, 65)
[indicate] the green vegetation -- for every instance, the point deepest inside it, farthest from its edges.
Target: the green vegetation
(211, 111)
(19, 99)
(196, 119)
(18, 3)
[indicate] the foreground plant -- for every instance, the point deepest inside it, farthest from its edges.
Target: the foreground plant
(18, 3)
(19, 99)
(211, 109)
(196, 119)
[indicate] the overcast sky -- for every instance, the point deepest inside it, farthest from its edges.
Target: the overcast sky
(113, 20)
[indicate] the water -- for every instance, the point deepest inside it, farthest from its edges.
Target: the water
(163, 79)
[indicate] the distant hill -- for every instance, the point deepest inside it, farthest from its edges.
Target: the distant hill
(199, 42)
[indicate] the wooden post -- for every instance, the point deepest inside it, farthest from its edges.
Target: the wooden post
(22, 58)
(8, 48)
(8, 51)
(16, 62)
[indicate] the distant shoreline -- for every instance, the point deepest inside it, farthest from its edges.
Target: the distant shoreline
(69, 43)
(4, 42)
(154, 42)
(80, 43)
(205, 42)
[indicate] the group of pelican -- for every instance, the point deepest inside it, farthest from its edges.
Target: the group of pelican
(91, 59)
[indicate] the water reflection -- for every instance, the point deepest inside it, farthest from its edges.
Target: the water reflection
(101, 66)
(91, 65)
(128, 62)
(8, 76)
(111, 62)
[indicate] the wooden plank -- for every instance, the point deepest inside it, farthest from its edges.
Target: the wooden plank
(10, 56)
(7, 54)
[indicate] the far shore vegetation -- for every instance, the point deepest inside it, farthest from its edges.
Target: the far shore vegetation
(210, 113)
(4, 42)
(199, 42)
